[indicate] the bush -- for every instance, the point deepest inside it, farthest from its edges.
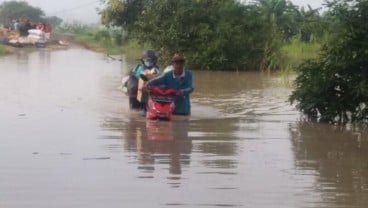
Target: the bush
(217, 35)
(102, 36)
(334, 88)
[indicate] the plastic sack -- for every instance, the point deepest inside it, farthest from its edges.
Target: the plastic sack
(130, 85)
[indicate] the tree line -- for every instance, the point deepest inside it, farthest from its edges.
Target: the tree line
(217, 35)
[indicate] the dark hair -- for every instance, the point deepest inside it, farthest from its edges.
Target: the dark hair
(178, 58)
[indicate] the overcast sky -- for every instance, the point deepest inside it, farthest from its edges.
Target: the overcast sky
(85, 10)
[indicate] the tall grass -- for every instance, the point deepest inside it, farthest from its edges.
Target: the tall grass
(112, 41)
(293, 54)
(2, 50)
(5, 50)
(296, 51)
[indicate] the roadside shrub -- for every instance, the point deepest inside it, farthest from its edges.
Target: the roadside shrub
(334, 88)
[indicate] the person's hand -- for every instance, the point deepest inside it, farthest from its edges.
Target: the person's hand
(145, 88)
(150, 76)
(179, 93)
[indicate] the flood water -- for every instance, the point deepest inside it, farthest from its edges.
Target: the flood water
(67, 139)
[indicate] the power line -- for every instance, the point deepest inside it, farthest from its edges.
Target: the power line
(76, 8)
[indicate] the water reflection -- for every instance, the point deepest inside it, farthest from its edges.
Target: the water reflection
(22, 57)
(45, 58)
(337, 157)
(161, 145)
(154, 147)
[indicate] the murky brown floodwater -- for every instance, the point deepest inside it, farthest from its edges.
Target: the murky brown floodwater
(67, 139)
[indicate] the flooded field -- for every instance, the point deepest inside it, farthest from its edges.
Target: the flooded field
(68, 139)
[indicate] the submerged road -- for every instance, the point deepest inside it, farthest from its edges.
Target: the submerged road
(67, 139)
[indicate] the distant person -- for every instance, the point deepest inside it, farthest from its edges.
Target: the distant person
(24, 26)
(40, 26)
(179, 79)
(33, 25)
(16, 25)
(48, 30)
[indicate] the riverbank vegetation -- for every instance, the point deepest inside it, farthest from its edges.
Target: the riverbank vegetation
(98, 38)
(5, 50)
(334, 87)
(218, 35)
(296, 52)
(2, 50)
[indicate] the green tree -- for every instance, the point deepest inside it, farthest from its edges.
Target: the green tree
(223, 34)
(334, 88)
(311, 24)
(122, 13)
(53, 20)
(218, 35)
(281, 17)
(280, 23)
(10, 10)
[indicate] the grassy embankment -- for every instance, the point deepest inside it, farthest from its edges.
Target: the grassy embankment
(2, 50)
(100, 40)
(295, 52)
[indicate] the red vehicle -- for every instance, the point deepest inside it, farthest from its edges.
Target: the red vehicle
(160, 104)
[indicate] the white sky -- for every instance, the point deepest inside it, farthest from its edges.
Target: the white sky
(85, 10)
(313, 3)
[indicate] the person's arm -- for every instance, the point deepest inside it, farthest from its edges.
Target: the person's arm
(136, 71)
(189, 89)
(151, 73)
(157, 70)
(157, 81)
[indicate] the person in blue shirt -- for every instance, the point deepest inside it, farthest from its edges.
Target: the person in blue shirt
(179, 79)
(147, 66)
